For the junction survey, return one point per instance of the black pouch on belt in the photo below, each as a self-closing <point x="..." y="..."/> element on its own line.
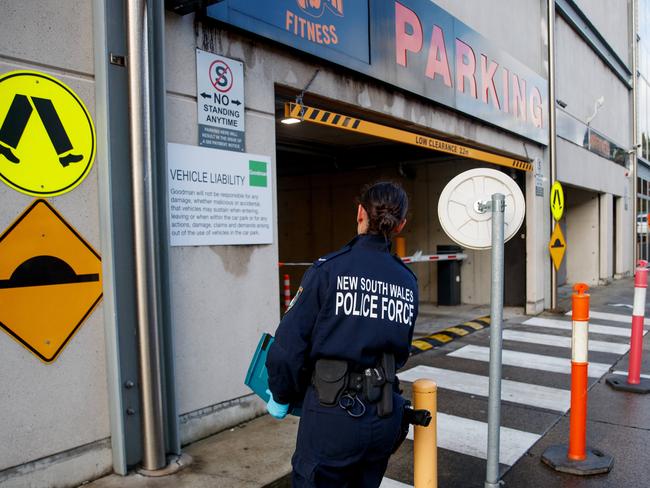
<point x="385" y="405"/>
<point x="330" y="379"/>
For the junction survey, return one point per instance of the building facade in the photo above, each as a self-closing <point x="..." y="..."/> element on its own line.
<point x="413" y="91"/>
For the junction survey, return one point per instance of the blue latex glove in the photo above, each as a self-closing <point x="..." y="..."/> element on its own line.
<point x="277" y="410"/>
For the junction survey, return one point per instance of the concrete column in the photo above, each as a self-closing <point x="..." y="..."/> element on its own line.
<point x="538" y="263"/>
<point x="624" y="238"/>
<point x="606" y="237"/>
<point x="582" y="236"/>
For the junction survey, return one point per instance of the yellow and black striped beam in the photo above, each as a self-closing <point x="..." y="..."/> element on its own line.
<point x="332" y="119"/>
<point x="434" y="341"/>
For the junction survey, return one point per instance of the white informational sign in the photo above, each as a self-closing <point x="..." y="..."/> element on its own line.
<point x="218" y="197"/>
<point x="220" y="101"/>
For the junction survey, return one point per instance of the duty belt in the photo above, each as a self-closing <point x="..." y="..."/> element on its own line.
<point x="337" y="385"/>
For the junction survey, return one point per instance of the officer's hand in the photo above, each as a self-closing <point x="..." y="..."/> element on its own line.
<point x="277" y="410"/>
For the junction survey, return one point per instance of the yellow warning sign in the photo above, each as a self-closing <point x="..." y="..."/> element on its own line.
<point x="557" y="246"/>
<point x="47" y="137"/>
<point x="557" y="200"/>
<point x="332" y="119"/>
<point x="50" y="281"/>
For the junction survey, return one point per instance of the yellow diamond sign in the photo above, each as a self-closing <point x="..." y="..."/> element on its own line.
<point x="557" y="246"/>
<point x="50" y="281"/>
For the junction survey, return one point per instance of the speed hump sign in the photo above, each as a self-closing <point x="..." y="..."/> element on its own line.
<point x="47" y="137"/>
<point x="50" y="281"/>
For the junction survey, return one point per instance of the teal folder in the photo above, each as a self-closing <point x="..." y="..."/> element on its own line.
<point x="257" y="377"/>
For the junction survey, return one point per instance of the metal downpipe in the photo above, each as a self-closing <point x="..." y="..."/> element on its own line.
<point x="552" y="137"/>
<point x="140" y="130"/>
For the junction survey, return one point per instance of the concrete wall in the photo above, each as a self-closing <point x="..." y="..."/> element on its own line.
<point x="54" y="428"/>
<point x="611" y="20"/>
<point x="582" y="78"/>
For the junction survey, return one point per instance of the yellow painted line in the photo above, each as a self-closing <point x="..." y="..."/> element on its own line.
<point x="423" y="346"/>
<point x="474" y="325"/>
<point x="484" y="319"/>
<point x="441" y="337"/>
<point x="333" y="119"/>
<point x="456" y="330"/>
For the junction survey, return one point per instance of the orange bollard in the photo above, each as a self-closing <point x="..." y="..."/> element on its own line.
<point x="425" y="442"/>
<point x="400" y="246"/>
<point x="579" y="370"/>
<point x="577" y="458"/>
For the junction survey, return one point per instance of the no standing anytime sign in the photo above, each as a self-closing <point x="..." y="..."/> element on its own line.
<point x="220" y="101"/>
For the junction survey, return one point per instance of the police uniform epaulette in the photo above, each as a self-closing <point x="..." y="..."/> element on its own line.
<point x="399" y="260"/>
<point x="330" y="256"/>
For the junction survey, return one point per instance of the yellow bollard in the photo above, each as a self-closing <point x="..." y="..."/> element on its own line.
<point x="425" y="442"/>
<point x="400" y="246"/>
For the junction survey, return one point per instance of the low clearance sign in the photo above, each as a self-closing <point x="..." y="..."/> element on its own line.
<point x="411" y="44"/>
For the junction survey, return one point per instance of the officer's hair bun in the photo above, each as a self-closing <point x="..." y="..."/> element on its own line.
<point x="386" y="204"/>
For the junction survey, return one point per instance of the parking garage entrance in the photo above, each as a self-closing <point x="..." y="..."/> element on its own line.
<point x="325" y="155"/>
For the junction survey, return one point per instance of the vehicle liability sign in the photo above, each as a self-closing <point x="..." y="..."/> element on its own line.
<point x="220" y="101"/>
<point x="50" y="281"/>
<point x="47" y="137"/>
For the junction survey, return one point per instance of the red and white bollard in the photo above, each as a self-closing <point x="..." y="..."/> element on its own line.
<point x="579" y="373"/>
<point x="634" y="383"/>
<point x="577" y="458"/>
<point x="287" y="291"/>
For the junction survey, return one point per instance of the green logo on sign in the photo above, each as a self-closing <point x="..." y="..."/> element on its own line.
<point x="257" y="173"/>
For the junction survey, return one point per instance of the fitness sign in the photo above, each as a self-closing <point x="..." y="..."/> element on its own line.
<point x="220" y="101"/>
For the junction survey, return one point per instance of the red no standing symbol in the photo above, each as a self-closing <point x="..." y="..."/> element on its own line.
<point x="221" y="76"/>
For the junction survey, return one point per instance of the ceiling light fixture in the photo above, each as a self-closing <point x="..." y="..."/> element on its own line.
<point x="290" y="120"/>
<point x="295" y="120"/>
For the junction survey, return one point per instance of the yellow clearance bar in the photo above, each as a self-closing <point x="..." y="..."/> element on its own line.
<point x="332" y="119"/>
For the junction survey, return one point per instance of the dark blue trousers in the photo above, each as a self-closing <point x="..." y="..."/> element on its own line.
<point x="336" y="450"/>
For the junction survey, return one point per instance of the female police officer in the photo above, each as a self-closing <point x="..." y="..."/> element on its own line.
<point x="336" y="350"/>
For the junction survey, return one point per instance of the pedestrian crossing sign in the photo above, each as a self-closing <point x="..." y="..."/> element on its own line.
<point x="557" y="246"/>
<point x="47" y="137"/>
<point x="557" y="200"/>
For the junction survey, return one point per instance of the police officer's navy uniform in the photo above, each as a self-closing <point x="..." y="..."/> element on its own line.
<point x="353" y="304"/>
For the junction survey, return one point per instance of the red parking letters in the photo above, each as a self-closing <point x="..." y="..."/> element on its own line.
<point x="465" y="70"/>
<point x="404" y="41"/>
<point x="536" y="109"/>
<point x="437" y="62"/>
<point x="519" y="97"/>
<point x="487" y="82"/>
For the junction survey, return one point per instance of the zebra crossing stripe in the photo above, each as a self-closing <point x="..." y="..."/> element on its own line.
<point x="566" y="325"/>
<point x="388" y="483"/>
<point x="511" y="391"/>
<point x="469" y="437"/>
<point x="560" y="341"/>
<point x="613" y="317"/>
<point x="519" y="359"/>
